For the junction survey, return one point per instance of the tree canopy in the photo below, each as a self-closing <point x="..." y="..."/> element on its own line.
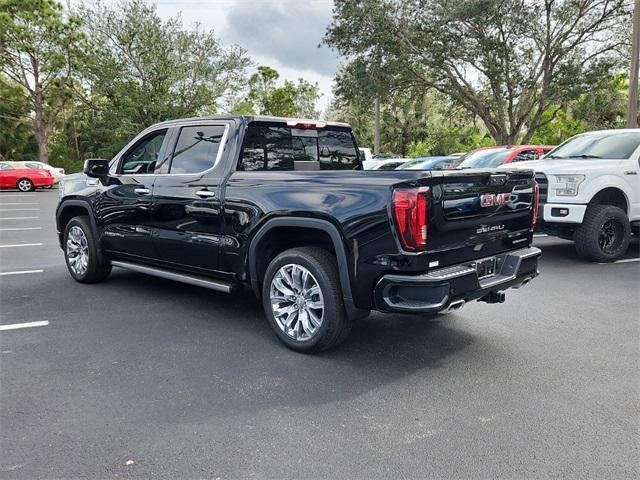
<point x="505" y="62"/>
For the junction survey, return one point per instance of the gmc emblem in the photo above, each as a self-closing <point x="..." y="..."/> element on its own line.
<point x="494" y="199"/>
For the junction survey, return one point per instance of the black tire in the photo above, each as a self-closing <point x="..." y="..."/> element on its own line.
<point x="95" y="270"/>
<point x="335" y="326"/>
<point x="604" y="234"/>
<point x="25" y="185"/>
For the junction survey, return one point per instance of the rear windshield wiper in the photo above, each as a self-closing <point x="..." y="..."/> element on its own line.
<point x="555" y="156"/>
<point x="586" y="156"/>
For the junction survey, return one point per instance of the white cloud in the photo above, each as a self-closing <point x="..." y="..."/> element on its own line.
<point x="283" y="34"/>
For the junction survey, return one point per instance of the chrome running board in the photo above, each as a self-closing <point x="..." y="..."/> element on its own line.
<point x="196" y="280"/>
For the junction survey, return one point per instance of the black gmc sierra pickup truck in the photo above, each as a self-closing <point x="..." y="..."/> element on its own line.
<point x="283" y="206"/>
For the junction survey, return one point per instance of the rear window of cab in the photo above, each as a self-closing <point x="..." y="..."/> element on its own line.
<point x="279" y="147"/>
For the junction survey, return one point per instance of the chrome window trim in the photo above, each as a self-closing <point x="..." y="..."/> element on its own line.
<point x="144" y="133"/>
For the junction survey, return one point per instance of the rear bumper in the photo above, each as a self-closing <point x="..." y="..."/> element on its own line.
<point x="42" y="181"/>
<point x="450" y="287"/>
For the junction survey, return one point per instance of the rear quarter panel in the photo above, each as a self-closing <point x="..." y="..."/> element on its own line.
<point x="355" y="202"/>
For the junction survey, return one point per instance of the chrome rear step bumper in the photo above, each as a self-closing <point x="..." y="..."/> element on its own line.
<point x="449" y="288"/>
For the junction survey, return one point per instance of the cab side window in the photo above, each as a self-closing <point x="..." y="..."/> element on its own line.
<point x="143" y="156"/>
<point x="526" y="156"/>
<point x="197" y="148"/>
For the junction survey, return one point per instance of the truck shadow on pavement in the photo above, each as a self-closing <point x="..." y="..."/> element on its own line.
<point x="223" y="357"/>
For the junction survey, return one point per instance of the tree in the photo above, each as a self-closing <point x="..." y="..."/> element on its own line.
<point x="267" y="98"/>
<point x="506" y="62"/>
<point x="37" y="44"/>
<point x="17" y="142"/>
<point x="143" y="70"/>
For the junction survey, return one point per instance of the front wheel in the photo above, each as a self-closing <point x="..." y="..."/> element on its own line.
<point x="604" y="234"/>
<point x="81" y="252"/>
<point x="302" y="299"/>
<point x="25" y="185"/>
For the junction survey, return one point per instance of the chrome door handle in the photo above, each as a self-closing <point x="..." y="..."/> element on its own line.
<point x="142" y="191"/>
<point x="206" y="194"/>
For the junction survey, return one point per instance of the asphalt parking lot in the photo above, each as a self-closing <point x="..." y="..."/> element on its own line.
<point x="142" y="377"/>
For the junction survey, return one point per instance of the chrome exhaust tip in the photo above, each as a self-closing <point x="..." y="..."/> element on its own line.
<point x="453" y="306"/>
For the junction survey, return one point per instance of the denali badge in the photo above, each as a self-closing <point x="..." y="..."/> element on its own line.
<point x="494" y="199"/>
<point x="488" y="229"/>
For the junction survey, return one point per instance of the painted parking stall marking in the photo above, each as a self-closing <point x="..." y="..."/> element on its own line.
<point x="16" y="326"/>
<point x="19" y="218"/>
<point x="21" y="272"/>
<point x="15" y="229"/>
<point x="19" y="209"/>
<point x="628" y="260"/>
<point x="15" y="245"/>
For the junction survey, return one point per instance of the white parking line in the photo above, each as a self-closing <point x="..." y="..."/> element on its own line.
<point x="18" y="218"/>
<point x="540" y="235"/>
<point x="21" y="245"/>
<point x="18" y="203"/>
<point x="15" y="326"/>
<point x="19" y="209"/>
<point x="21" y="195"/>
<point x="21" y="272"/>
<point x="19" y="228"/>
<point x="628" y="260"/>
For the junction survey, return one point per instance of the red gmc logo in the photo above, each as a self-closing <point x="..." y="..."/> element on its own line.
<point x="494" y="199"/>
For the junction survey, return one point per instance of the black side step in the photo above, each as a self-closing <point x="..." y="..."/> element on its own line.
<point x="219" y="285"/>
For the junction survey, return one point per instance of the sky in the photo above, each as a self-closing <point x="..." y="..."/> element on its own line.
<point x="283" y="34"/>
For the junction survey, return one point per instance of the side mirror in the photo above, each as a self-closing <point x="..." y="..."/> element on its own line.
<point x="96" y="167"/>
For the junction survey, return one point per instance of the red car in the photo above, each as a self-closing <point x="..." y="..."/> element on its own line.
<point x="24" y="179"/>
<point x="490" y="157"/>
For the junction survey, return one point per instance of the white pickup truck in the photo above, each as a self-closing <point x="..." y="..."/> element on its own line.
<point x="590" y="191"/>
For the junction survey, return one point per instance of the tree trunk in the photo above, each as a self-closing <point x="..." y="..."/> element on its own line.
<point x="505" y="138"/>
<point x="43" y="152"/>
<point x="39" y="125"/>
<point x="632" y="113"/>
<point x="376" y="133"/>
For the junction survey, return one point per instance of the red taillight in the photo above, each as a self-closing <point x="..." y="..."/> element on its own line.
<point x="411" y="213"/>
<point x="536" y="203"/>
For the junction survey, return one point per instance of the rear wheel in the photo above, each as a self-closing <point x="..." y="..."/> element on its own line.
<point x="81" y="252"/>
<point x="604" y="234"/>
<point x="303" y="301"/>
<point x="25" y="185"/>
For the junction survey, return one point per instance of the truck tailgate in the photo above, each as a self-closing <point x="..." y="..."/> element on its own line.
<point x="477" y="213"/>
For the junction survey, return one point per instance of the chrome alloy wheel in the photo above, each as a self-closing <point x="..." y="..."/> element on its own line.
<point x="296" y="301"/>
<point x="24" y="185"/>
<point x="77" y="250"/>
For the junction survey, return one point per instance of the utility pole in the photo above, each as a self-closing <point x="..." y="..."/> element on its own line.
<point x="632" y="116"/>
<point x="376" y="135"/>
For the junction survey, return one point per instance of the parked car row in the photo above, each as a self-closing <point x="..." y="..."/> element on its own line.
<point x="485" y="157"/>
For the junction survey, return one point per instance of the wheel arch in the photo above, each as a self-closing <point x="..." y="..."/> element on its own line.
<point x="613" y="196"/>
<point x="326" y="235"/>
<point x="69" y="209"/>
